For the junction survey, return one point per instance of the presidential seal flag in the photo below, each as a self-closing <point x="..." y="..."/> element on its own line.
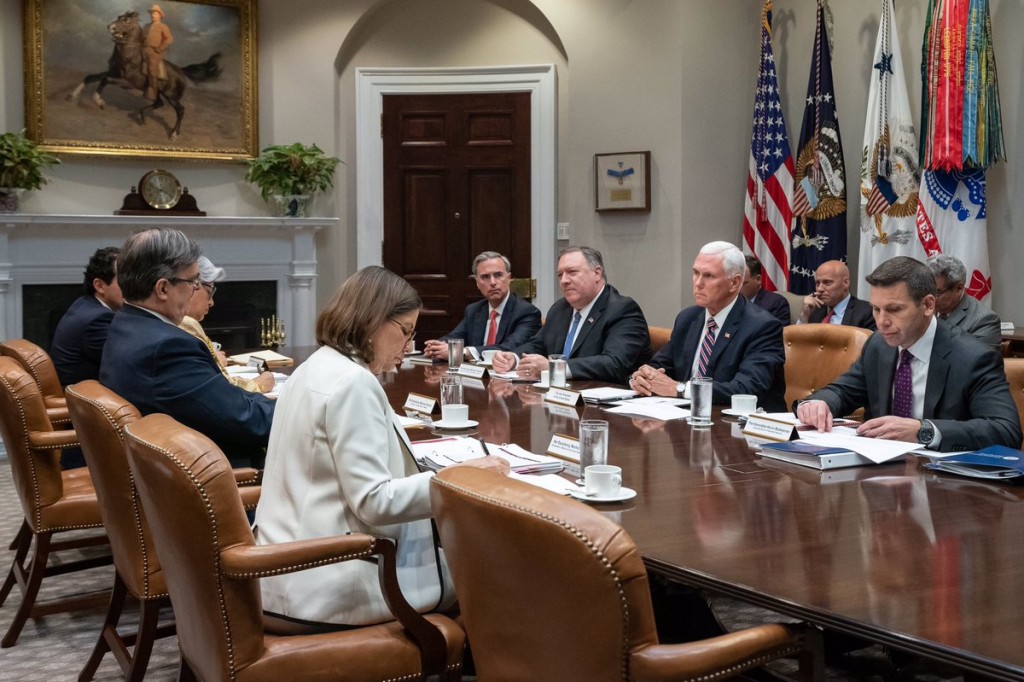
<point x="767" y="213"/>
<point x="819" y="230"/>
<point x="889" y="172"/>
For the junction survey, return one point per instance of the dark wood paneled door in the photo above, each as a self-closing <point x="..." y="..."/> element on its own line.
<point x="456" y="182"/>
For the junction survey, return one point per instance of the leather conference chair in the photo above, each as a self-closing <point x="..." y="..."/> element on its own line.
<point x="659" y="337"/>
<point x="53" y="501"/>
<point x="1014" y="368"/>
<point x="817" y="354"/>
<point x="99" y="416"/>
<point x="212" y="566"/>
<point x="39" y="364"/>
<point x="551" y="589"/>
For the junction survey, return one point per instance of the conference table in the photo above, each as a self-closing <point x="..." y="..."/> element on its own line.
<point x="926" y="563"/>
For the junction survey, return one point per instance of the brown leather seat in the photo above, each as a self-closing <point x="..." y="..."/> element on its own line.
<point x="53" y="501"/>
<point x="816" y="354"/>
<point x="551" y="589"/>
<point x="99" y="416"/>
<point x="659" y="337"/>
<point x="212" y="566"/>
<point x="1014" y="368"/>
<point x="39" y="364"/>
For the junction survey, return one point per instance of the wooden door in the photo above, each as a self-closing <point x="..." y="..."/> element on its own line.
<point x="456" y="182"/>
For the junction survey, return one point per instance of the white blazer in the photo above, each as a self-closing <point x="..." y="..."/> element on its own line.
<point x="335" y="465"/>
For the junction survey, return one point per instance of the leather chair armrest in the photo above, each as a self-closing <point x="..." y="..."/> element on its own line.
<point x="58" y="415"/>
<point x="250" y="495"/>
<point x="247" y="476"/>
<point x="52" y="440"/>
<point x="258" y="561"/>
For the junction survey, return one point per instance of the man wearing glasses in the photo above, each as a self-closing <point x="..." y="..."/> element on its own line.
<point x="158" y="367"/>
<point x="501" y="321"/>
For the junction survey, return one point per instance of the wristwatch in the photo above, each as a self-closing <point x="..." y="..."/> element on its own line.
<point x="926" y="434"/>
<point x="680" y="389"/>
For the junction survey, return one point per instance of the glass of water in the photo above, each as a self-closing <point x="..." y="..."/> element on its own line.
<point x="556" y="369"/>
<point x="700" y="401"/>
<point x="593" y="443"/>
<point x="456" y="347"/>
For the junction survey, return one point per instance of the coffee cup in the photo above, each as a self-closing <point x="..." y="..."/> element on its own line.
<point x="455" y="415"/>
<point x="744" y="403"/>
<point x="602" y="480"/>
<point x="545" y="377"/>
<point x="488" y="355"/>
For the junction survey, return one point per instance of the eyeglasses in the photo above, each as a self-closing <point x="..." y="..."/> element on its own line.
<point x="195" y="281"/>
<point x="210" y="287"/>
<point x="488" y="276"/>
<point x="409" y="335"/>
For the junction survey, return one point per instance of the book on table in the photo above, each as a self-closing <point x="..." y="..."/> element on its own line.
<point x="438" y="453"/>
<point x="272" y="358"/>
<point x="815" y="456"/>
<point x="996" y="462"/>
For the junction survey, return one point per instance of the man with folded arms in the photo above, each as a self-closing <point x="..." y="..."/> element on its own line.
<point x="501" y="321"/>
<point x="959" y="309"/>
<point x="832" y="302"/>
<point x="724" y="337"/>
<point x="601" y="332"/>
<point x="918" y="378"/>
<point x="159" y="367"/>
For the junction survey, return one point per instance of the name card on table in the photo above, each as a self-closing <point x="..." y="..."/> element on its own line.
<point x="562" y="396"/>
<point x="423" y="404"/>
<point x="472" y="371"/>
<point x="565" y="447"/>
<point x="763" y="426"/>
<point x="562" y="411"/>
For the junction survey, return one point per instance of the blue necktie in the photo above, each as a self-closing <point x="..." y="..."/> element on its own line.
<point x="567" y="348"/>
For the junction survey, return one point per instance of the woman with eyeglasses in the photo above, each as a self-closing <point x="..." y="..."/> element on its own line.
<point x="337" y="464"/>
<point x="198" y="306"/>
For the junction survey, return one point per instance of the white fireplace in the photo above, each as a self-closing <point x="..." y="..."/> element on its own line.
<point x="54" y="249"/>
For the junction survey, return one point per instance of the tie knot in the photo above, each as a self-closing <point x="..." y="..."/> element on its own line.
<point x="905" y="357"/>
<point x="576" y="317"/>
<point x="494" y="314"/>
<point x="712" y="325"/>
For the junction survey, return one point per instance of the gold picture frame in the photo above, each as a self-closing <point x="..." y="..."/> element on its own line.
<point x="622" y="181"/>
<point x="86" y="73"/>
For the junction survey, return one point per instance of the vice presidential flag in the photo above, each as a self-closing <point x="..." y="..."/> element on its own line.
<point x="767" y="215"/>
<point x="889" y="172"/>
<point x="819" y="229"/>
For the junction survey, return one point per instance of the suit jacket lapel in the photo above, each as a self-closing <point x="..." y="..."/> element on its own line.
<point x="886" y="368"/>
<point x="938" y="368"/>
<point x="725" y="334"/>
<point x="503" y="319"/>
<point x="691" y="340"/>
<point x="848" y="313"/>
<point x="590" y="321"/>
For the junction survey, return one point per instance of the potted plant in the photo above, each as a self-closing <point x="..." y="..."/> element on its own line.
<point x="288" y="175"/>
<point x="21" y="165"/>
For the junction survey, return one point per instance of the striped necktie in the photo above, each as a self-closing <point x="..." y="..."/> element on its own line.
<point x="567" y="348"/>
<point x="706" y="346"/>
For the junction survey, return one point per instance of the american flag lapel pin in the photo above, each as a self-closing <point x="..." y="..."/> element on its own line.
<point x="590" y="320"/>
<point x="728" y="335"/>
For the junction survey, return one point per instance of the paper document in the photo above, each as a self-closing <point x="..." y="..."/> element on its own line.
<point x="272" y="359"/>
<point x="878" y="450"/>
<point x="436" y="454"/>
<point x="552" y="482"/>
<point x="606" y="394"/>
<point x="654" y="400"/>
<point x="659" y="411"/>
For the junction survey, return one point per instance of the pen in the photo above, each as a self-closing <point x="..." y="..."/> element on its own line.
<point x="487" y="453"/>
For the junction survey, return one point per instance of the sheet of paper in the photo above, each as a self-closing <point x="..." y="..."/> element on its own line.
<point x="606" y="393"/>
<point x="878" y="450"/>
<point x="552" y="482"/>
<point x="650" y="411"/>
<point x="654" y="400"/>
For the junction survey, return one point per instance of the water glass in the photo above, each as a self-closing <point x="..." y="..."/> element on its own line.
<point x="456" y="348"/>
<point x="451" y="390"/>
<point x="593" y="444"/>
<point x="700" y="402"/>
<point x="556" y="368"/>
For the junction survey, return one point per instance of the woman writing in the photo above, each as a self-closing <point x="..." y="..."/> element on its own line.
<point x="336" y="464"/>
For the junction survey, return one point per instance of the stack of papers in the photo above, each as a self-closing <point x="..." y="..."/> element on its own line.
<point x="606" y="394"/>
<point x="436" y="454"/>
<point x="995" y="462"/>
<point x="270" y="357"/>
<point x="652" y="407"/>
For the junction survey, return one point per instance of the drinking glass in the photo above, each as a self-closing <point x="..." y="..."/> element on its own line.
<point x="700" y="402"/>
<point x="556" y="367"/>
<point x="456" y="347"/>
<point x="593" y="443"/>
<point x="451" y="390"/>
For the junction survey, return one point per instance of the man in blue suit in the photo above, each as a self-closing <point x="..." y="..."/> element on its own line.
<point x="501" y="321"/>
<point x="158" y="367"/>
<point x="78" y="341"/>
<point x="752" y="290"/>
<point x="742" y="343"/>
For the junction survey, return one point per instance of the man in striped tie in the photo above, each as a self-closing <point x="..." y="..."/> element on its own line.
<point x="724" y="337"/>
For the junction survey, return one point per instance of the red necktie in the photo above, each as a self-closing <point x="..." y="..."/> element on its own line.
<point x="828" y="315"/>
<point x="492" y="333"/>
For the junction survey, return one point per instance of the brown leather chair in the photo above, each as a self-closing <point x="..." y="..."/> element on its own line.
<point x="39" y="364"/>
<point x="1014" y="368"/>
<point x="816" y="354"/>
<point x="659" y="337"/>
<point x="551" y="589"/>
<point x="99" y="416"/>
<point x="212" y="566"/>
<point x="53" y="501"/>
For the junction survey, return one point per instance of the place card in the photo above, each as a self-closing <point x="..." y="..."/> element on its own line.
<point x="562" y="396"/>
<point x="423" y="404"/>
<point x="562" y="411"/>
<point x="763" y="426"/>
<point x="472" y="371"/>
<point x="565" y="447"/>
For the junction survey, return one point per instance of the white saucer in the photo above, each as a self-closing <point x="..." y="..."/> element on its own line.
<point x="624" y="494"/>
<point x="468" y="424"/>
<point x="540" y="384"/>
<point x="735" y="413"/>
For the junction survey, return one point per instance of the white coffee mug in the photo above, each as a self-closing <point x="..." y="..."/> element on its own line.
<point x="545" y="377"/>
<point x="454" y="415"/>
<point x="602" y="480"/>
<point x="488" y="355"/>
<point x="744" y="404"/>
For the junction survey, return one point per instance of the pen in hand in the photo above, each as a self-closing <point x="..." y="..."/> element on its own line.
<point x="487" y="453"/>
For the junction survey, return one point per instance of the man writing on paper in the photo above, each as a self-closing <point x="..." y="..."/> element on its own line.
<point x="918" y="378"/>
<point x="832" y="302"/>
<point x="601" y="332"/>
<point x="724" y="337"/>
<point x="501" y="321"/>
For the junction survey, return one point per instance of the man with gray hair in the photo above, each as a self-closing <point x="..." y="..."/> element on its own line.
<point x="501" y="321"/>
<point x="724" y="337"/>
<point x="159" y="367"/>
<point x="958" y="309"/>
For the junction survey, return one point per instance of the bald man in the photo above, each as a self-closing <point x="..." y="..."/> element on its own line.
<point x="832" y="302"/>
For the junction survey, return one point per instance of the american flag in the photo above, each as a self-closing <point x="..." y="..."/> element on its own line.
<point x="767" y="213"/>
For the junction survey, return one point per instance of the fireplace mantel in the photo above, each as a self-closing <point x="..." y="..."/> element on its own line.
<point x="54" y="249"/>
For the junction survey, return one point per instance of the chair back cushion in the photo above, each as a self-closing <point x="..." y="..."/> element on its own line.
<point x="659" y="337"/>
<point x="99" y="416"/>
<point x="548" y="587"/>
<point x="193" y="509"/>
<point x="816" y="354"/>
<point x="39" y="364"/>
<point x="1014" y="368"/>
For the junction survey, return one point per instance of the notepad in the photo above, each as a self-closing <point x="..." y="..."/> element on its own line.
<point x="270" y="357"/>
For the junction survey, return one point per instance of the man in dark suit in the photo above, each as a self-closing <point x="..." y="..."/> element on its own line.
<point x="501" y="321"/>
<point x="745" y="353"/>
<point x="919" y="379"/>
<point x="158" y="367"/>
<point x="751" y="290"/>
<point x="78" y="341"/>
<point x="601" y="332"/>
<point x="953" y="304"/>
<point x="832" y="302"/>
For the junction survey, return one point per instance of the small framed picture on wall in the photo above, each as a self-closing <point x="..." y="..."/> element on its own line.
<point x="622" y="181"/>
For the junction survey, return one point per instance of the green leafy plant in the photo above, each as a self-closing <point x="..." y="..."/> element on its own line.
<point x="22" y="162"/>
<point x="292" y="169"/>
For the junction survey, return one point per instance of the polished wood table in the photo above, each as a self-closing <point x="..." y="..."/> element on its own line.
<point x="926" y="563"/>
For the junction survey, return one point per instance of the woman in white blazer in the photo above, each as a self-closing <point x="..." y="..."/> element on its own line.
<point x="335" y="464"/>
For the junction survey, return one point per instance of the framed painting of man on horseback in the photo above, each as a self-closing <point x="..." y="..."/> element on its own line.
<point x="172" y="78"/>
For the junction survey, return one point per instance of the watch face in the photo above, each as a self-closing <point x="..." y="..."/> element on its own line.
<point x="160" y="189"/>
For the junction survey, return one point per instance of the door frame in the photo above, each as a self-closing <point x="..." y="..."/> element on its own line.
<point x="539" y="80"/>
